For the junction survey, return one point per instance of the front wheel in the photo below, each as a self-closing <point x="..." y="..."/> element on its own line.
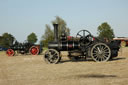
<point x="52" y="56"/>
<point x="100" y="52"/>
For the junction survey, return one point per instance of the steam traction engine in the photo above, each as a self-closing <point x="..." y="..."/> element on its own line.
<point x="80" y="47"/>
<point x="23" y="48"/>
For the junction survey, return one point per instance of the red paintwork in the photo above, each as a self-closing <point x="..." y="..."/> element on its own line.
<point x="10" y="52"/>
<point x="34" y="50"/>
<point x="127" y="42"/>
<point x="93" y="38"/>
<point x="69" y="37"/>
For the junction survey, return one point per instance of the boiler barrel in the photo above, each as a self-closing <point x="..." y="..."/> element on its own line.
<point x="64" y="46"/>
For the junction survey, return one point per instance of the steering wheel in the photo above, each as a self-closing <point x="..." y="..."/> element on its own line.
<point x="85" y="38"/>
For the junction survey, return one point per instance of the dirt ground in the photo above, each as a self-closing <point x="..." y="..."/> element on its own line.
<point x="32" y="70"/>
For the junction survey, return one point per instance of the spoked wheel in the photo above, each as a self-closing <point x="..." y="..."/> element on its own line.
<point x="52" y="56"/>
<point x="34" y="50"/>
<point x="100" y="52"/>
<point x="10" y="52"/>
<point x="85" y="39"/>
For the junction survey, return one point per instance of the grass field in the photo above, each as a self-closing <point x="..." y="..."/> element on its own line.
<point x="32" y="70"/>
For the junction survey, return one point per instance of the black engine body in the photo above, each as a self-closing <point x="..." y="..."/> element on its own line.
<point x="81" y="46"/>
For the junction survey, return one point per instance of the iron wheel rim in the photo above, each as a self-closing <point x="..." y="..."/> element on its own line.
<point x="100" y="52"/>
<point x="51" y="56"/>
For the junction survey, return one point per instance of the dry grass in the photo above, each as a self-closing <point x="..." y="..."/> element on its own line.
<point x="32" y="70"/>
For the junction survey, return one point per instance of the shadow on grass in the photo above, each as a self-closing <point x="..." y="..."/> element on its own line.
<point x="91" y="60"/>
<point x="116" y="59"/>
<point x="96" y="76"/>
<point x="64" y="61"/>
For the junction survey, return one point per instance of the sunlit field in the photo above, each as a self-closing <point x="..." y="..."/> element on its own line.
<point x="32" y="70"/>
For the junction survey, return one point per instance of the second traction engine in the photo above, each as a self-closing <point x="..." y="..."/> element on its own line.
<point x="79" y="47"/>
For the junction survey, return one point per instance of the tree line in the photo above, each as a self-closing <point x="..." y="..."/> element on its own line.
<point x="7" y="39"/>
<point x="104" y="31"/>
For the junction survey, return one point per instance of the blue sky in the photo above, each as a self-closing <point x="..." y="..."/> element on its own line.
<point x="22" y="17"/>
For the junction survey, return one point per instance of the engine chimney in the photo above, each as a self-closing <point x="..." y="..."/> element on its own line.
<point x="55" y="32"/>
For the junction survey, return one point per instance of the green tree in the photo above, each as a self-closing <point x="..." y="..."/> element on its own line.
<point x="6" y="40"/>
<point x="32" y="38"/>
<point x="62" y="25"/>
<point x="105" y="31"/>
<point x="49" y="33"/>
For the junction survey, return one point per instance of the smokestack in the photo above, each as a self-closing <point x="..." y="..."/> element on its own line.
<point x="55" y="32"/>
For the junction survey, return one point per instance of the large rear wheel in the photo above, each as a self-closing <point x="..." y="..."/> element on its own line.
<point x="100" y="52"/>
